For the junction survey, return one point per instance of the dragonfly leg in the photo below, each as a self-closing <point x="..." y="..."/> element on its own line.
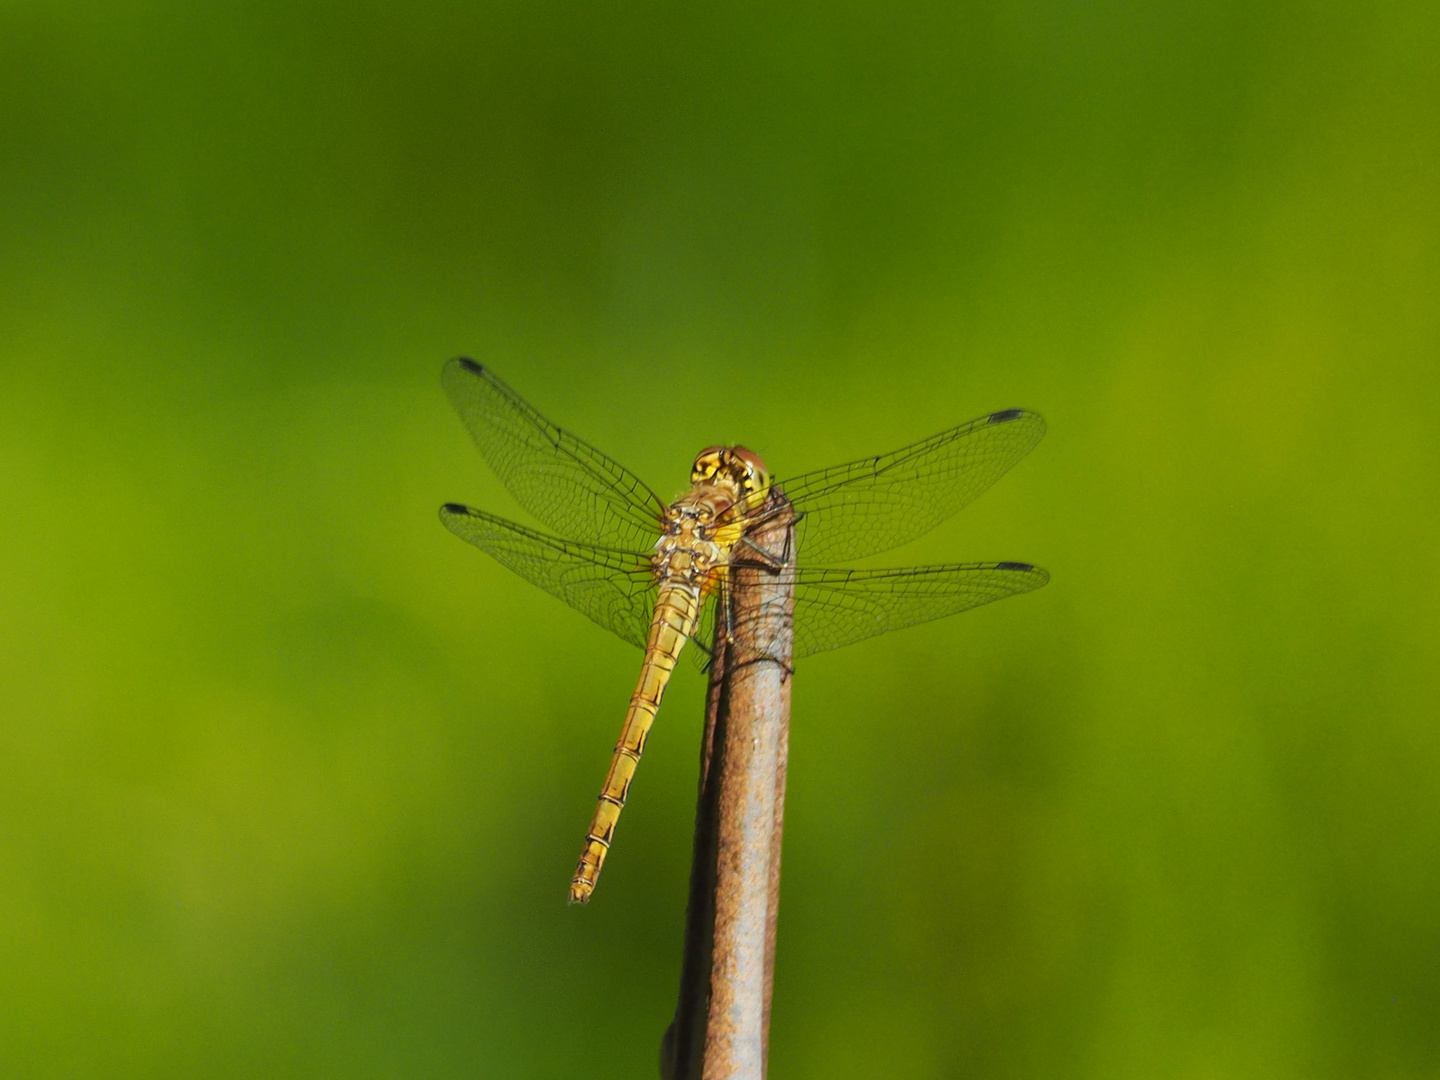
<point x="760" y="557"/>
<point x="769" y="512"/>
<point x="729" y="618"/>
<point x="757" y="557"/>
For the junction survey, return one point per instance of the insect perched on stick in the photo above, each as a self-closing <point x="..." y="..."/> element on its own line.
<point x="657" y="574"/>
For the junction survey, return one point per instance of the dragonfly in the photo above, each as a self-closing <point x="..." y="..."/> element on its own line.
<point x="657" y="574"/>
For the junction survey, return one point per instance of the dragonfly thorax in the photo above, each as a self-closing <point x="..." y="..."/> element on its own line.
<point x="703" y="524"/>
<point x="687" y="552"/>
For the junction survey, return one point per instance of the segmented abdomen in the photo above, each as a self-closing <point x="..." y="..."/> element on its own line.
<point x="677" y="609"/>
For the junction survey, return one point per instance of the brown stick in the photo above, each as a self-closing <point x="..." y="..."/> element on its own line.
<point x="722" y="1020"/>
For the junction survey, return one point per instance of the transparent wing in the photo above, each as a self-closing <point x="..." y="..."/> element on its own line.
<point x="565" y="482"/>
<point x="704" y="637"/>
<point x="854" y="510"/>
<point x="615" y="588"/>
<point x="840" y="607"/>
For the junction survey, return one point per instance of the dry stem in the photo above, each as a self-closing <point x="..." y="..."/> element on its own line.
<point x="722" y="1021"/>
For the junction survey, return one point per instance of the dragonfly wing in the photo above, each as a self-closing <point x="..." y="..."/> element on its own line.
<point x="565" y="482"/>
<point x="705" y="629"/>
<point x="614" y="588"/>
<point x="840" y="607"/>
<point x="854" y="510"/>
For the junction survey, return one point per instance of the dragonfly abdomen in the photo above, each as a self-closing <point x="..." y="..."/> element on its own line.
<point x="677" y="610"/>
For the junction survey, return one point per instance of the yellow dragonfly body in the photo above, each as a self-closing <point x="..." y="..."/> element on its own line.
<point x="690" y="563"/>
<point x="655" y="574"/>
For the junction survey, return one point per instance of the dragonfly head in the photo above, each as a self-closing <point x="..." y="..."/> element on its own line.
<point x="736" y="467"/>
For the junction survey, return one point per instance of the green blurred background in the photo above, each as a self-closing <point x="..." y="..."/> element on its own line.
<point x="292" y="781"/>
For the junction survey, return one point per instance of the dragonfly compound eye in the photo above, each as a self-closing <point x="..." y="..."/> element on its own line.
<point x="754" y="478"/>
<point x="707" y="464"/>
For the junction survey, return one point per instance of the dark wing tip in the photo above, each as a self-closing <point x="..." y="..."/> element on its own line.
<point x="1004" y="416"/>
<point x="454" y="508"/>
<point x="1035" y="577"/>
<point x="469" y="365"/>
